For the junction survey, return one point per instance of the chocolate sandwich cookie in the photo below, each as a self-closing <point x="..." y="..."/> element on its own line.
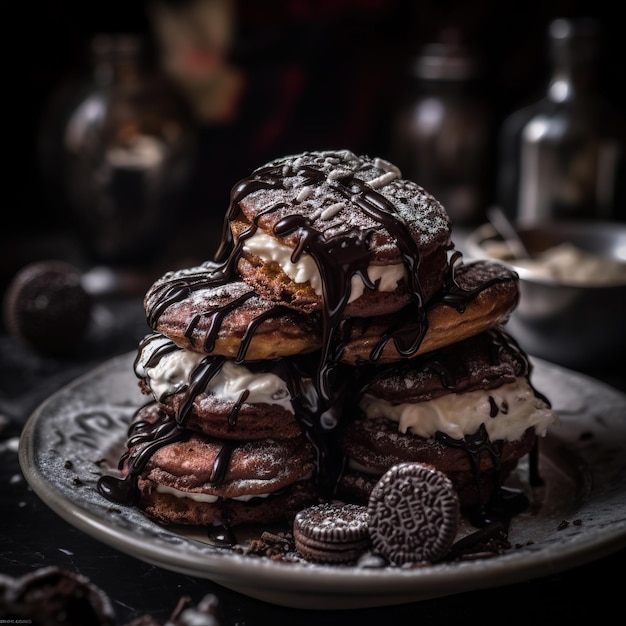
<point x="206" y="310"/>
<point x="218" y="397"/>
<point x="180" y="477"/>
<point x="413" y="514"/>
<point x="333" y="231"/>
<point x="480" y="296"/>
<point x="331" y="532"/>
<point x="468" y="409"/>
<point x="46" y="307"/>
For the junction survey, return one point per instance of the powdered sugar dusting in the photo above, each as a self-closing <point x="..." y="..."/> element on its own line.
<point x="327" y="208"/>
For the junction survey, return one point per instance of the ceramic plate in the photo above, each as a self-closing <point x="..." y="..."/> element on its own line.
<point x="578" y="515"/>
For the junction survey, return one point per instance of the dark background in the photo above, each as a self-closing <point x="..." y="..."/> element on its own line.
<point x="332" y="71"/>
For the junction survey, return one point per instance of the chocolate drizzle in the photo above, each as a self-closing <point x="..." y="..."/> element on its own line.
<point x="474" y="445"/>
<point x="449" y="367"/>
<point x="144" y="439"/>
<point x="338" y="258"/>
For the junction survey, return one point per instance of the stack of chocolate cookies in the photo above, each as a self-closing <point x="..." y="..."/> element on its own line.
<point x="336" y="333"/>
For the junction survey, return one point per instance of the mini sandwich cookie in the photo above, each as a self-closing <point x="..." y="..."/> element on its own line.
<point x="331" y="533"/>
<point x="413" y="514"/>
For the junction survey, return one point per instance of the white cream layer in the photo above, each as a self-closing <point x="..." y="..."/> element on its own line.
<point x="460" y="414"/>
<point x="174" y="370"/>
<point x="305" y="269"/>
<point x="205" y="497"/>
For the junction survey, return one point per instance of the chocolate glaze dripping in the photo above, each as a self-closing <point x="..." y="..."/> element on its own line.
<point x="217" y="318"/>
<point x="350" y="252"/>
<point x="320" y="418"/>
<point x="408" y="327"/>
<point x="534" y="477"/>
<point x="232" y="418"/>
<point x="505" y="502"/>
<point x="458" y="297"/>
<point x="158" y="354"/>
<point x="220" y="467"/>
<point x="145" y="439"/>
<point x="201" y="376"/>
<point x="178" y="289"/>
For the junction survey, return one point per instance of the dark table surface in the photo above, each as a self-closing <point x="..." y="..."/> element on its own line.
<point x="33" y="536"/>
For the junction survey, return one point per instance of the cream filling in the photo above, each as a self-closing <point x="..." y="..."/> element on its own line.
<point x="304" y="270"/>
<point x="174" y="370"/>
<point x="460" y="414"/>
<point x="205" y="497"/>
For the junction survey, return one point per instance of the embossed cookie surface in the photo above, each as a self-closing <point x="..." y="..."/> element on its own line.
<point x="413" y="514"/>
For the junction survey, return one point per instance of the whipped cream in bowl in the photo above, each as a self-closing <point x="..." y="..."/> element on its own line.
<point x="572" y="288"/>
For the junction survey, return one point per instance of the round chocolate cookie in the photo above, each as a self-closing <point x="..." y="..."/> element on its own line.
<point x="331" y="532"/>
<point x="476" y="475"/>
<point x="482" y="296"/>
<point x="180" y="477"/>
<point x="199" y="308"/>
<point x="338" y="232"/>
<point x="413" y="514"/>
<point x="273" y="508"/>
<point x="468" y="409"/>
<point x="46" y="307"/>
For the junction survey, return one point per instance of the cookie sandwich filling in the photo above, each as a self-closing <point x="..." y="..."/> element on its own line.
<point x="305" y="270"/>
<point x="209" y="498"/>
<point x="506" y="413"/>
<point x="171" y="371"/>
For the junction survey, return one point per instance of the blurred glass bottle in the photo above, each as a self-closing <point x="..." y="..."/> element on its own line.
<point x="122" y="148"/>
<point x="442" y="131"/>
<point x="562" y="157"/>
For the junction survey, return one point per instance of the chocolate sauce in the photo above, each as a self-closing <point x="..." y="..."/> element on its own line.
<point x="338" y="258"/>
<point x="144" y="439"/>
<point x="220" y="467"/>
<point x="200" y="378"/>
<point x="221" y="536"/>
<point x="491" y="539"/>
<point x="504" y="503"/>
<point x="232" y="418"/>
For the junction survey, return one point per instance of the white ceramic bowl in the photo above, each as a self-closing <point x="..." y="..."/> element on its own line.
<point x="581" y="325"/>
